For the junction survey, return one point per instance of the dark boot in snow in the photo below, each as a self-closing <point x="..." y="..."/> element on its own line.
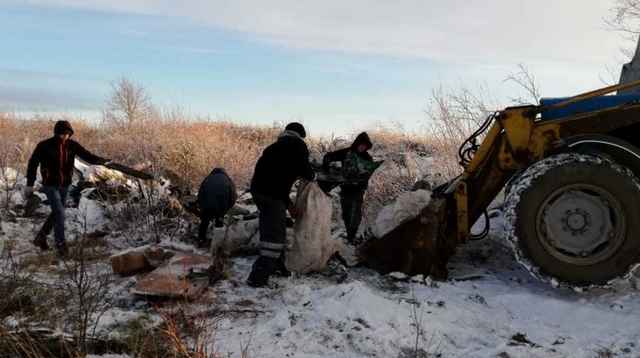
<point x="62" y="250"/>
<point x="41" y="241"/>
<point x="281" y="269"/>
<point x="261" y="270"/>
<point x="257" y="282"/>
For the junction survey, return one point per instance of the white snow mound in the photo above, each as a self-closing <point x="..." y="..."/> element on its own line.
<point x="406" y="207"/>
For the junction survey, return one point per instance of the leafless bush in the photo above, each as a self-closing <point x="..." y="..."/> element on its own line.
<point x="191" y="328"/>
<point x="85" y="285"/>
<point x="21" y="344"/>
<point x="16" y="283"/>
<point x="417" y="315"/>
<point x="128" y="103"/>
<point x="184" y="151"/>
<point x="624" y="17"/>
<point x="525" y="79"/>
<point x="14" y="154"/>
<point x="453" y="115"/>
<point x="146" y="213"/>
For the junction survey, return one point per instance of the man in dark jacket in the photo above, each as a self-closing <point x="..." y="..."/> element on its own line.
<point x="276" y="171"/>
<point x="352" y="194"/>
<point x="216" y="196"/>
<point x="56" y="157"/>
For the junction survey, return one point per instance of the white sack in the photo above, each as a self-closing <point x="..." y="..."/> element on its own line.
<point x="236" y="236"/>
<point x="312" y="244"/>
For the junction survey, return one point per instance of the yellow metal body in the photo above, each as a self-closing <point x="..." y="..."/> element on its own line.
<point x="517" y="140"/>
<point x="462" y="212"/>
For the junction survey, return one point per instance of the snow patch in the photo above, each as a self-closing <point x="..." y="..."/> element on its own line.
<point x="406" y="207"/>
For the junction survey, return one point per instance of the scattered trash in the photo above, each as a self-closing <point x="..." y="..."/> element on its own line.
<point x="136" y="260"/>
<point x="172" y="278"/>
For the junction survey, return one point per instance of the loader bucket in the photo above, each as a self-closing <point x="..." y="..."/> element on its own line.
<point x="413" y="247"/>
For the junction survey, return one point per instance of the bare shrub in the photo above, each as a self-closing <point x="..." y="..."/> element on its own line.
<point x="624" y="17"/>
<point x="84" y="283"/>
<point x="127" y="104"/>
<point x="21" y="344"/>
<point x="14" y="155"/>
<point x="16" y="283"/>
<point x="147" y="213"/>
<point x="191" y="328"/>
<point x="526" y="80"/>
<point x="454" y="114"/>
<point x="184" y="151"/>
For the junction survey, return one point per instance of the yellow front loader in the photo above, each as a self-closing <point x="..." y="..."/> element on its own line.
<point x="572" y="199"/>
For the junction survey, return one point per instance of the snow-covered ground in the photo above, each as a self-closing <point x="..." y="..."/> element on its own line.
<point x="489" y="307"/>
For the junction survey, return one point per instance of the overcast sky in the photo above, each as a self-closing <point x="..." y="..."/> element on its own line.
<point x="336" y="65"/>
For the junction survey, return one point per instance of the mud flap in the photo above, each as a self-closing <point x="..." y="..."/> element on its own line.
<point x="413" y="247"/>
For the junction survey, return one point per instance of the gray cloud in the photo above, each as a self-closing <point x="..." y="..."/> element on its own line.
<point x="24" y="98"/>
<point x="498" y="30"/>
<point x="8" y="73"/>
<point x="185" y="49"/>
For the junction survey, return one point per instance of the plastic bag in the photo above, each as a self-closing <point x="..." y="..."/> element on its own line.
<point x="312" y="244"/>
<point x="354" y="170"/>
<point x="357" y="169"/>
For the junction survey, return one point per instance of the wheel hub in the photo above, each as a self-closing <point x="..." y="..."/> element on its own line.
<point x="581" y="224"/>
<point x="576" y="221"/>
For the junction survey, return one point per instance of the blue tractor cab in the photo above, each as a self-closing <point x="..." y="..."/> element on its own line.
<point x="590" y="105"/>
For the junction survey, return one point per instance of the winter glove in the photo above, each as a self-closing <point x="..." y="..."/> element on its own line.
<point x="28" y="192"/>
<point x="293" y="211"/>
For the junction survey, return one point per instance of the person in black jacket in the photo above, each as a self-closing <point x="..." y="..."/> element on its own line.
<point x="352" y="194"/>
<point x="56" y="157"/>
<point x="276" y="171"/>
<point x="216" y="196"/>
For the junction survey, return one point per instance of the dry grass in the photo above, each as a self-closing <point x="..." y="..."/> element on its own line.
<point x="184" y="150"/>
<point x="178" y="149"/>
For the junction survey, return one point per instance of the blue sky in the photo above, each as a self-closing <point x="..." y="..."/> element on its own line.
<point x="335" y="65"/>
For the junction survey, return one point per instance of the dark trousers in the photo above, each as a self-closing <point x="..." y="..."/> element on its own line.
<point x="273" y="234"/>
<point x="56" y="197"/>
<point x="206" y="216"/>
<point x="351" y="200"/>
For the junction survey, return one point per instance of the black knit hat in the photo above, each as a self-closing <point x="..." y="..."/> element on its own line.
<point x="296" y="127"/>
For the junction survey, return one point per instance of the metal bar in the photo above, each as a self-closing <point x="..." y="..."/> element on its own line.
<point x="589" y="95"/>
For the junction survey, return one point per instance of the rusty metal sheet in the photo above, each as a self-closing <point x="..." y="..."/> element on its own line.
<point x="170" y="280"/>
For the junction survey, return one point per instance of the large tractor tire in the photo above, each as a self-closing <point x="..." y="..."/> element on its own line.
<point x="574" y="219"/>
